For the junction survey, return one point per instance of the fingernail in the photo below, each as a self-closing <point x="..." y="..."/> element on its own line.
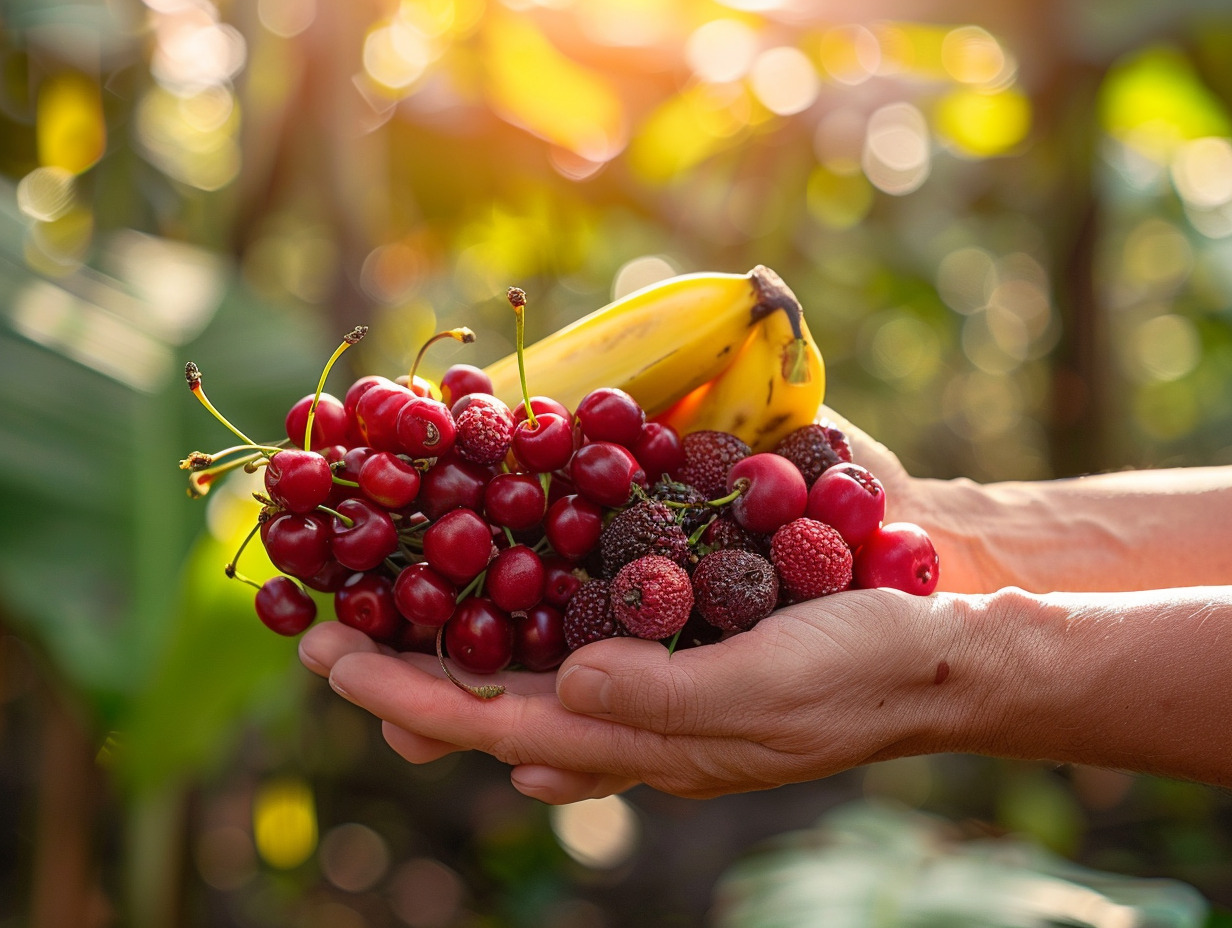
<point x="585" y="689"/>
<point x="337" y="688"/>
<point x="535" y="782"/>
<point x="309" y="660"/>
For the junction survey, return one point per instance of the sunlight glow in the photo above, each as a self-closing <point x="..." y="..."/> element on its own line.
<point x="721" y="50"/>
<point x="784" y="80"/>
<point x="597" y="833"/>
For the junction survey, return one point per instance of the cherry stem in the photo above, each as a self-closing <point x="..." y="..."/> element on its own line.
<point x="346" y="520"/>
<point x="193" y="375"/>
<point x="508" y="535"/>
<point x="487" y="691"/>
<point x="701" y="530"/>
<point x="229" y="570"/>
<point x="199" y="481"/>
<point x="471" y="587"/>
<point x="671" y="645"/>
<point x="740" y="487"/>
<point x="461" y="334"/>
<point x="343" y="482"/>
<point x="351" y="338"/>
<point x="517" y="299"/>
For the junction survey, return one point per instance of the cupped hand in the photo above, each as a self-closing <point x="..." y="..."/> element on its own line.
<point x="813" y="689"/>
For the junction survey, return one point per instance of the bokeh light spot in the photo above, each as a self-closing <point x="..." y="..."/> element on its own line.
<point x="850" y="54"/>
<point x="971" y="55"/>
<point x="983" y="124"/>
<point x="966" y="278"/>
<point x="1157" y="255"/>
<point x="721" y="50"/>
<point x="226" y="858"/>
<point x="597" y="833"/>
<point x="46" y="193"/>
<point x="1165" y="347"/>
<point x="1202" y="172"/>
<point x="286" y="18"/>
<point x="897" y="157"/>
<point x="284" y="822"/>
<point x="424" y="893"/>
<point x="784" y="80"/>
<point x="641" y="272"/>
<point x="353" y="857"/>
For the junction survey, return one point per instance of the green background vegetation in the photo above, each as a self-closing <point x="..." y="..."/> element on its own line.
<point x="1011" y="228"/>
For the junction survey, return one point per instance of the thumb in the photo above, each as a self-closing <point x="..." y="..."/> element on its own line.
<point x="643" y="685"/>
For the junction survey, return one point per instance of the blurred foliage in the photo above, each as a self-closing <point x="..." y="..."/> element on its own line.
<point x="1010" y="224"/>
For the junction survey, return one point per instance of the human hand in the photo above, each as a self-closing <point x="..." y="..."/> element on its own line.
<point x="814" y="689"/>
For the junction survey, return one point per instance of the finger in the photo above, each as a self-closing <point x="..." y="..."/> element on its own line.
<point x="514" y="728"/>
<point x="322" y="645"/>
<point x="514" y="681"/>
<point x="558" y="787"/>
<point x="416" y="749"/>
<point x="703" y="691"/>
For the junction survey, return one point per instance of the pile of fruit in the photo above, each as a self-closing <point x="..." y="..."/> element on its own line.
<point x="443" y="519"/>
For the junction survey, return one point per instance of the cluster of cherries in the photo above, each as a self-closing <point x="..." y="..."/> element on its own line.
<point x="442" y="520"/>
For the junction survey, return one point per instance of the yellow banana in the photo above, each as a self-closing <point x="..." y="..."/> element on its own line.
<point x="773" y="386"/>
<point x="671" y="344"/>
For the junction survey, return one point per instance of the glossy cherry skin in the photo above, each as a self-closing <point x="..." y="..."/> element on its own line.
<point x="330" y="423"/>
<point x="545" y="446"/>
<point x="284" y="607"/>
<point x="389" y="480"/>
<point x="850" y="499"/>
<point x="297" y="543"/>
<point x="328" y="579"/>
<point x="610" y="414"/>
<point x="604" y="472"/>
<point x="899" y="555"/>
<point x="297" y="480"/>
<point x="350" y="402"/>
<point x="573" y="526"/>
<point x="542" y="404"/>
<point x="420" y="386"/>
<point x="424" y="596"/>
<point x="539" y="638"/>
<point x="658" y="450"/>
<point x="453" y="483"/>
<point x="559" y="581"/>
<point x="479" y="637"/>
<point x="461" y="379"/>
<point x="776" y="492"/>
<point x="366" y="602"/>
<point x="515" y="579"/>
<point x="516" y="501"/>
<point x="370" y="538"/>
<point x="458" y="545"/>
<point x="376" y="414"/>
<point x="426" y="428"/>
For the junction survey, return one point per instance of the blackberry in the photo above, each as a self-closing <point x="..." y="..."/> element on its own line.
<point x="589" y="616"/>
<point x="707" y="456"/>
<point x="693" y="512"/>
<point x="734" y="590"/>
<point x="814" y="448"/>
<point x="646" y="527"/>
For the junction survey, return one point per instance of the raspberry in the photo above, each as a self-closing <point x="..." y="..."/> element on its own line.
<point x="707" y="456"/>
<point x="588" y="617"/>
<point x="814" y="448"/>
<point x="734" y="590"/>
<point x="811" y="559"/>
<point x="652" y="597"/>
<point x="484" y="429"/>
<point x="647" y="527"/>
<point x="725" y="532"/>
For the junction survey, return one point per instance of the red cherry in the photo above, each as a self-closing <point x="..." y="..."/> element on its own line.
<point x="540" y="405"/>
<point x="539" y="638"/>
<point x="330" y="423"/>
<point x="479" y="637"/>
<point x="546" y="446"/>
<point x="610" y="414"/>
<point x="573" y="526"/>
<point x="297" y="543"/>
<point x="461" y="379"/>
<point x="560" y="581"/>
<point x="458" y="545"/>
<point x="298" y="480"/>
<point x="776" y="494"/>
<point x="850" y="499"/>
<point x="658" y="450"/>
<point x="899" y="555"/>
<point x="605" y="472"/>
<point x="423" y="596"/>
<point x="376" y="414"/>
<point x="328" y="579"/>
<point x="368" y="540"/>
<point x="451" y="484"/>
<point x="515" y="579"/>
<point x="366" y="602"/>
<point x="389" y="480"/>
<point x="420" y="386"/>
<point x="516" y="501"/>
<point x="425" y="428"/>
<point x="284" y="607"/>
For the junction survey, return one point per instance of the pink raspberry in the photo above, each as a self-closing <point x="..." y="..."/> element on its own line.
<point x="811" y="559"/>
<point x="652" y="597"/>
<point x="484" y="429"/>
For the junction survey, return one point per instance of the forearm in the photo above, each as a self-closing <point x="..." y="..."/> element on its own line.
<point x="1134" y="681"/>
<point x="1135" y="530"/>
